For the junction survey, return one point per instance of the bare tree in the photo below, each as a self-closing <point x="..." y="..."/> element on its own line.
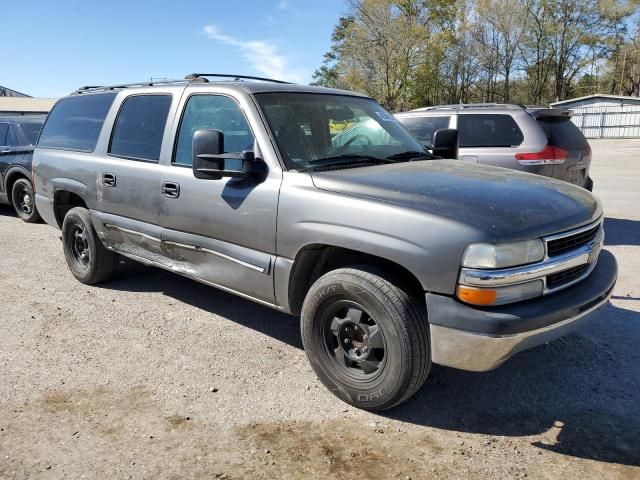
<point x="502" y="26"/>
<point x="409" y="53"/>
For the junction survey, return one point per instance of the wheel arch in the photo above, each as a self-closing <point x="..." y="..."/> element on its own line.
<point x="314" y="260"/>
<point x="14" y="173"/>
<point x="65" y="200"/>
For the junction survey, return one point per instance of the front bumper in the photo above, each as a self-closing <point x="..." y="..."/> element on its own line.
<point x="480" y="339"/>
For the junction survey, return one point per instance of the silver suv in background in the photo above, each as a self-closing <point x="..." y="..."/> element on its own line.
<point x="536" y="140"/>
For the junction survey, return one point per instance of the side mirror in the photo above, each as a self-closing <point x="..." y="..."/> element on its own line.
<point x="211" y="163"/>
<point x="445" y="143"/>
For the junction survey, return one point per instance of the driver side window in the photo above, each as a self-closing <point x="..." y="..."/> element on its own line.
<point x="217" y="112"/>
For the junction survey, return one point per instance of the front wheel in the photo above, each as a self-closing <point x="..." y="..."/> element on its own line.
<point x="23" y="201"/>
<point x="366" y="339"/>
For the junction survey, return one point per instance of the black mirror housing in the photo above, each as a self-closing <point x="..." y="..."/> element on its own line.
<point x="205" y="144"/>
<point x="445" y="143"/>
<point x="209" y="158"/>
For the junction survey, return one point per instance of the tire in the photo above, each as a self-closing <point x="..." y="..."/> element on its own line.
<point x="589" y="184"/>
<point x="23" y="201"/>
<point x="89" y="261"/>
<point x="330" y="318"/>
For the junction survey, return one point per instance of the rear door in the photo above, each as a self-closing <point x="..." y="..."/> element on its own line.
<point x="129" y="186"/>
<point x="488" y="138"/>
<point x="563" y="134"/>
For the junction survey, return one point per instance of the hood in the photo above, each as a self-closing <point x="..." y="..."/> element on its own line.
<point x="505" y="203"/>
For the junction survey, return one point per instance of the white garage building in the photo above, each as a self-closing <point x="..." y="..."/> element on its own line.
<point x="605" y="116"/>
<point x="14" y="103"/>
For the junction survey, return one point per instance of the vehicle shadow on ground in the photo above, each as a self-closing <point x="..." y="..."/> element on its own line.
<point x="620" y="231"/>
<point x="138" y="278"/>
<point x="7" y="211"/>
<point x="583" y="389"/>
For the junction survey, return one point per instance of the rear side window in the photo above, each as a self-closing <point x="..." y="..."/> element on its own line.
<point x="423" y="128"/>
<point x="139" y="128"/>
<point x="75" y="122"/>
<point x="562" y="133"/>
<point x="488" y="131"/>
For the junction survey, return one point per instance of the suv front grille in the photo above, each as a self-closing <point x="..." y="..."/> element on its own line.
<point x="567" y="276"/>
<point x="562" y="245"/>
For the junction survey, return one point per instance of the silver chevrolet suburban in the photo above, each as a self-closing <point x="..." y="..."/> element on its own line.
<point x="393" y="259"/>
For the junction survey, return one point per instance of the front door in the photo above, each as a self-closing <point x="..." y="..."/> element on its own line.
<point x="220" y="231"/>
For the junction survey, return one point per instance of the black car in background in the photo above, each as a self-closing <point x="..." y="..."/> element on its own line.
<point x="18" y="136"/>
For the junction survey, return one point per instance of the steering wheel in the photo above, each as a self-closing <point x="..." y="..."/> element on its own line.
<point x="359" y="136"/>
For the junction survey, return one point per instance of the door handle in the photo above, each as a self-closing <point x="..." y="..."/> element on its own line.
<point x="171" y="189"/>
<point x="108" y="179"/>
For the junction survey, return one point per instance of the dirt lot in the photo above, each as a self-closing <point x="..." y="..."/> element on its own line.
<point x="155" y="376"/>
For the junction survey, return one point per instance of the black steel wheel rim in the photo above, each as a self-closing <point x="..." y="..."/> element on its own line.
<point x="353" y="340"/>
<point x="79" y="245"/>
<point x="25" y="200"/>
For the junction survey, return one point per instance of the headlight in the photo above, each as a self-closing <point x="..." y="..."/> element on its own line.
<point x="500" y="295"/>
<point x="488" y="255"/>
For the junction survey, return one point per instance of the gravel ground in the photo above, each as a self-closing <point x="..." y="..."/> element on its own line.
<point x="155" y="376"/>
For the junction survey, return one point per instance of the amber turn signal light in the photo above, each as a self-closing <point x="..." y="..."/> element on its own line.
<point x="476" y="296"/>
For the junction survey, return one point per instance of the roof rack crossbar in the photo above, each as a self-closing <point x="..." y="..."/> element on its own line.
<point x="196" y="76"/>
<point x="462" y="106"/>
<point x="193" y="77"/>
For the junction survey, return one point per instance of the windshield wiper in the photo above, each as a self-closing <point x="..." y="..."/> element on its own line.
<point x="348" y="159"/>
<point x="411" y="155"/>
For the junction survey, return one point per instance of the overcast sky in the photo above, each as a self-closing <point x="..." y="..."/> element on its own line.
<point x="54" y="47"/>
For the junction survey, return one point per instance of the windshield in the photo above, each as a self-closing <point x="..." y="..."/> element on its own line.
<point x="315" y="130"/>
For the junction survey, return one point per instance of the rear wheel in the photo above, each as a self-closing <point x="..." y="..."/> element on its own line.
<point x="89" y="261"/>
<point x="23" y="201"/>
<point x="366" y="339"/>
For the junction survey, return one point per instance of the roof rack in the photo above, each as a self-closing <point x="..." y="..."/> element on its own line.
<point x="202" y="77"/>
<point x="191" y="78"/>
<point x="462" y="106"/>
<point x="92" y="88"/>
